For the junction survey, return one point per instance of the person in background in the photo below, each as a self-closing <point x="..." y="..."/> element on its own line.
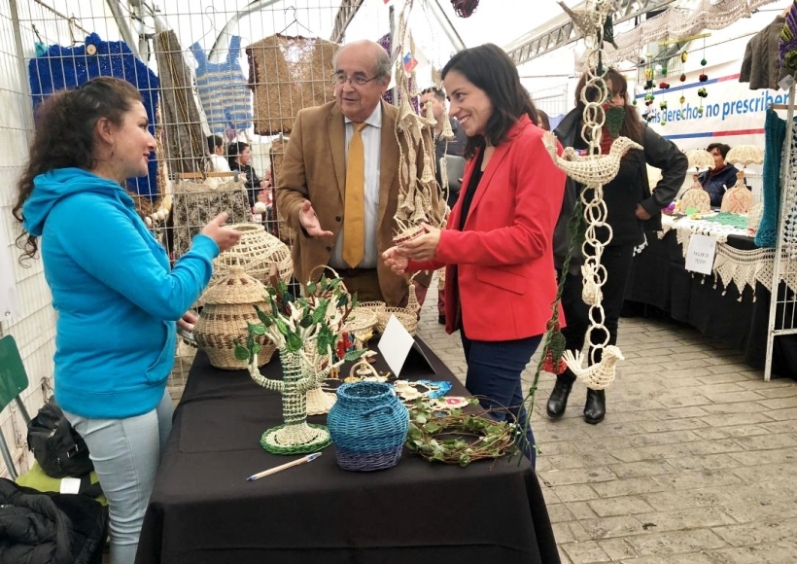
<point x="722" y="177"/>
<point x="632" y="210"/>
<point x="454" y="147"/>
<point x="216" y="148"/>
<point x="497" y="245"/>
<point x="239" y="155"/>
<point x="543" y="121"/>
<point x="118" y="301"/>
<point x="338" y="185"/>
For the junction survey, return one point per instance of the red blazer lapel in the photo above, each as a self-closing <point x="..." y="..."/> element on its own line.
<point x="501" y="151"/>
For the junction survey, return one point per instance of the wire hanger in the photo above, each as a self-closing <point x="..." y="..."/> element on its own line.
<point x="295" y="21"/>
<point x="212" y="23"/>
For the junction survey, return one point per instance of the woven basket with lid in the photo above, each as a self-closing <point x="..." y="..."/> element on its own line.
<point x="229" y="308"/>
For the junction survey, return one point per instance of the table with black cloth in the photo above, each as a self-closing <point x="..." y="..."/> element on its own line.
<point x="659" y="279"/>
<point x="204" y="510"/>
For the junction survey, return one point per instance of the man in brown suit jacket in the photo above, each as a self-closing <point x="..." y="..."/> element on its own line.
<point x="311" y="187"/>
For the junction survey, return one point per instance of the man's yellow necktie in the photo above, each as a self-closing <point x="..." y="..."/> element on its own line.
<point x="354" y="204"/>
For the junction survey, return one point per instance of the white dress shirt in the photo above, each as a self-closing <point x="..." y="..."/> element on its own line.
<point x="372" y="146"/>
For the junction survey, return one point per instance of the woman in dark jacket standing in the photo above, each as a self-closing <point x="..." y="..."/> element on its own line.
<point x="632" y="210"/>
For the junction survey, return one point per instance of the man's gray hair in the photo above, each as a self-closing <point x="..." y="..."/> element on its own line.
<point x="382" y="65"/>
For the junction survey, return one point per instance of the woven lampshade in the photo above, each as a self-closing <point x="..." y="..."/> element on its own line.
<point x="745" y="155"/>
<point x="700" y="158"/>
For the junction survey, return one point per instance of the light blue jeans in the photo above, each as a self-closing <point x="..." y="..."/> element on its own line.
<point x="126" y="453"/>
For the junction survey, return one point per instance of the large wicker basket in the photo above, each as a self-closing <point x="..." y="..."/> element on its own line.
<point x="256" y="252"/>
<point x="229" y="308"/>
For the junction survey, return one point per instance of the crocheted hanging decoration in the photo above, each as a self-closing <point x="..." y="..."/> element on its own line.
<point x="611" y="128"/>
<point x="223" y="90"/>
<point x="417" y="183"/>
<point x="62" y="68"/>
<point x="774" y="134"/>
<point x="465" y="8"/>
<point x="787" y="44"/>
<point x="384" y="41"/>
<point x="553" y="362"/>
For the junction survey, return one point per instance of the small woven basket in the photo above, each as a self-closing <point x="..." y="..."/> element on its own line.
<point x="368" y="425"/>
<point x="225" y="317"/>
<point x="376" y="307"/>
<point x="407" y="316"/>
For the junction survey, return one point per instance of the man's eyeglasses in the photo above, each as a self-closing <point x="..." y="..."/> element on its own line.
<point x="357" y="80"/>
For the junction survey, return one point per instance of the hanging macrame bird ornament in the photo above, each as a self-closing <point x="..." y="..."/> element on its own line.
<point x="598" y="376"/>
<point x="591" y="171"/>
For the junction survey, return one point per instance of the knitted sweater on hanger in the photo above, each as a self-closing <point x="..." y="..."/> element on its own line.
<point x="61" y="68"/>
<point x="775" y="133"/>
<point x="223" y="90"/>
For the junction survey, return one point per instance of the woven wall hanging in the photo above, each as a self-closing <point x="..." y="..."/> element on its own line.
<point x="196" y="203"/>
<point x="183" y="141"/>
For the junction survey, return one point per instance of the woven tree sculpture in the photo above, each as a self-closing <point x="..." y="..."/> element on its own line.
<point x="306" y="332"/>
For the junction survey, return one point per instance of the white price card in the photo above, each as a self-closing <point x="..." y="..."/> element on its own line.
<point x="700" y="254"/>
<point x="9" y="304"/>
<point x="70" y="485"/>
<point x="395" y="345"/>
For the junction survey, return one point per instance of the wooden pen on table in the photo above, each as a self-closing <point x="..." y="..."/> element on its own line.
<point x="269" y="472"/>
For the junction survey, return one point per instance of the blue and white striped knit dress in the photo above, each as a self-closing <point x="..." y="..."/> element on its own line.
<point x="223" y="90"/>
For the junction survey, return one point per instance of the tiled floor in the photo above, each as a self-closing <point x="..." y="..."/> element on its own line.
<point x="693" y="464"/>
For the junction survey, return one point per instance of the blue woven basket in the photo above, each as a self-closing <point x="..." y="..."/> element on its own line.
<point x="368" y="425"/>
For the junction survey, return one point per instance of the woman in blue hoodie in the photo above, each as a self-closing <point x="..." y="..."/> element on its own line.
<point x="117" y="299"/>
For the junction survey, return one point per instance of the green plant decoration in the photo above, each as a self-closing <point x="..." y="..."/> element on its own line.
<point x="457" y="437"/>
<point x="306" y="332"/>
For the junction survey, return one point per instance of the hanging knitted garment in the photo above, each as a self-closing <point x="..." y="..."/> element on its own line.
<point x="61" y="68"/>
<point x="223" y="90"/>
<point x="288" y="74"/>
<point x="775" y="133"/>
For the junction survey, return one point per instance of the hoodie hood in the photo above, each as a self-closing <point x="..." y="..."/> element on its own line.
<point x="51" y="187"/>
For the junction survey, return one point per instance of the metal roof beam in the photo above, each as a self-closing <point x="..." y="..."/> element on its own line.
<point x="348" y="9"/>
<point x="567" y="33"/>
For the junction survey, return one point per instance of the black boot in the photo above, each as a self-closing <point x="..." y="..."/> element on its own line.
<point x="595" y="408"/>
<point x="557" y="403"/>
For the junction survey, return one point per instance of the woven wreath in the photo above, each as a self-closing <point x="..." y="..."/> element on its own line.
<point x="457" y="438"/>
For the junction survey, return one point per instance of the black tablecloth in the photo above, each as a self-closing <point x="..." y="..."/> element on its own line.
<point x="659" y="279"/>
<point x="204" y="511"/>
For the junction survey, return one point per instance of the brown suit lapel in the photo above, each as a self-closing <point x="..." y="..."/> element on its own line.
<point x="389" y="157"/>
<point x="336" y="135"/>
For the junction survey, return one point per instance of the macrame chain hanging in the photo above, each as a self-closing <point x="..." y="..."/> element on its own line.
<point x="593" y="170"/>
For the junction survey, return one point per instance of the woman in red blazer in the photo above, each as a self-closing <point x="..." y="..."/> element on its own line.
<point x="497" y="246"/>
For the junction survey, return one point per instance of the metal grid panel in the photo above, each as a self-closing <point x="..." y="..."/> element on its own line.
<point x="26" y="25"/>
